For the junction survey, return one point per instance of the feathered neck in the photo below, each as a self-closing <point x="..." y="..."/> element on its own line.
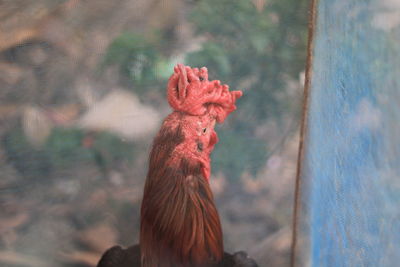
<point x="180" y="224"/>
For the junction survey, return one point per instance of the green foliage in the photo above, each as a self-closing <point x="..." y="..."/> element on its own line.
<point x="64" y="149"/>
<point x="213" y="56"/>
<point x="250" y="153"/>
<point x="259" y="49"/>
<point x="27" y="160"/>
<point x="113" y="147"/>
<point x="263" y="45"/>
<point x="138" y="60"/>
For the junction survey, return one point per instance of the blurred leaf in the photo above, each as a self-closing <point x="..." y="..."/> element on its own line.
<point x="65" y="148"/>
<point x="137" y="59"/>
<point x="28" y="161"/>
<point x="235" y="154"/>
<point x="113" y="147"/>
<point x="164" y="68"/>
<point x="213" y="56"/>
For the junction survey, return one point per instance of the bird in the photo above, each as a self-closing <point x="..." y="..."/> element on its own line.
<point x="179" y="221"/>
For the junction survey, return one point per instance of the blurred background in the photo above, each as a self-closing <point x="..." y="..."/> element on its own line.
<point x="82" y="94"/>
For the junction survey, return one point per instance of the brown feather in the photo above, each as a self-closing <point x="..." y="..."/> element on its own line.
<point x="180" y="225"/>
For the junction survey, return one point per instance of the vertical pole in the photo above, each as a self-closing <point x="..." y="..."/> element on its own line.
<point x="303" y="127"/>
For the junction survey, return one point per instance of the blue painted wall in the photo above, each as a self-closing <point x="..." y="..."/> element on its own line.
<point x="352" y="155"/>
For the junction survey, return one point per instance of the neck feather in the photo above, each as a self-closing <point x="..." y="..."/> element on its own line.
<point x="180" y="224"/>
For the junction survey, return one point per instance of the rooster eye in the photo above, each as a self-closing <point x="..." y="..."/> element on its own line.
<point x="201" y="78"/>
<point x="204" y="130"/>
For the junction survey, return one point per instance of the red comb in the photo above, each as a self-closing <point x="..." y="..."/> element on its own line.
<point x="190" y="91"/>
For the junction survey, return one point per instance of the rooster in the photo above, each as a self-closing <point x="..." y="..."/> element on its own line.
<point x="179" y="224"/>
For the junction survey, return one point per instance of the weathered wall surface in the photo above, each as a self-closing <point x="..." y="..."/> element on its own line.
<point x="351" y="168"/>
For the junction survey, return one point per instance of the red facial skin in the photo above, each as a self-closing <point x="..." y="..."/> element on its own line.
<point x="200" y="138"/>
<point x="198" y="104"/>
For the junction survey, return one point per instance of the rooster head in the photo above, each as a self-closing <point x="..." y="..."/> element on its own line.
<point x="198" y="104"/>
